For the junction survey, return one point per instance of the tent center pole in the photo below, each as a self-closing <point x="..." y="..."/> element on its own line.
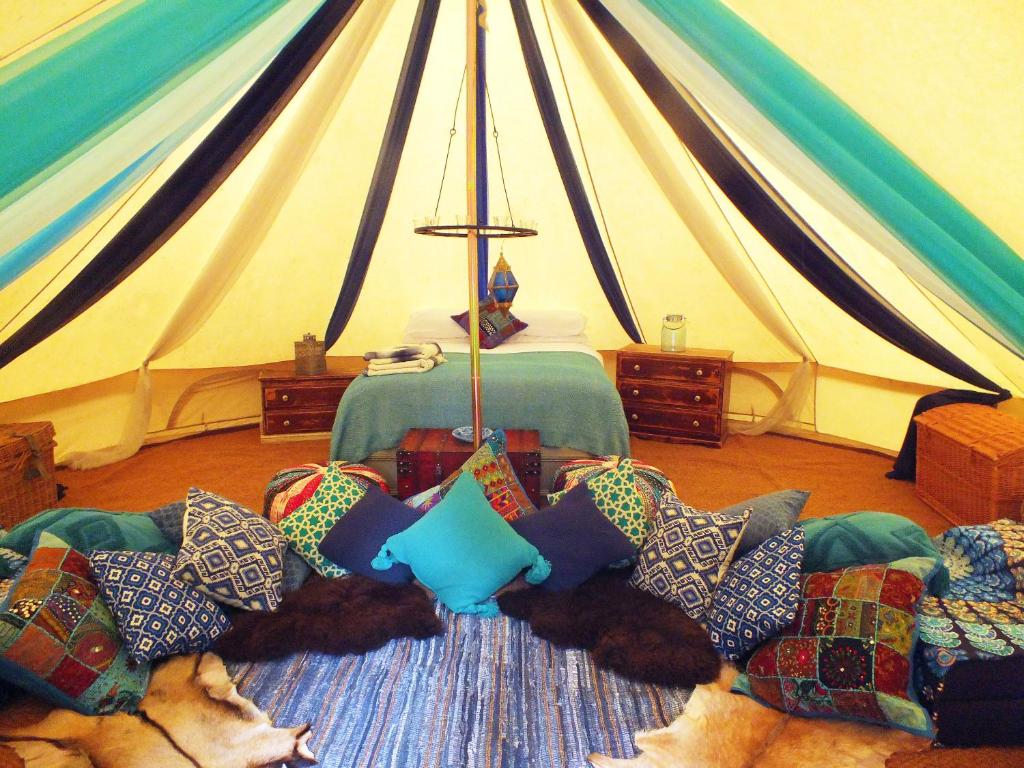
<point x="472" y="24"/>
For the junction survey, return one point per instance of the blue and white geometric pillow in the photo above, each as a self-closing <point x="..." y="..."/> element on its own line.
<point x="686" y="555"/>
<point x="227" y="552"/>
<point x="157" y="614"/>
<point x="758" y="596"/>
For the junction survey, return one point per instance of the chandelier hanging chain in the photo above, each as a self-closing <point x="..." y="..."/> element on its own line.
<point x="451" y="138"/>
<point x="497" y="151"/>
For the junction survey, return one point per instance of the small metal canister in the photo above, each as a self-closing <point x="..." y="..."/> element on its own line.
<point x="310" y="356"/>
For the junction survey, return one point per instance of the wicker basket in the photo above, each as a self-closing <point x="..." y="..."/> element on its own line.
<point x="970" y="463"/>
<point x="27" y="483"/>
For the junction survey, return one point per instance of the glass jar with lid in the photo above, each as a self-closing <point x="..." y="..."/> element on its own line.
<point x="673" y="333"/>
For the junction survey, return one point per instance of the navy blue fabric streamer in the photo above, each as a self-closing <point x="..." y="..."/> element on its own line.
<point x="384" y="172"/>
<point x="834" y="279"/>
<point x="569" y="172"/>
<point x="482" y="212"/>
<point x="193" y="182"/>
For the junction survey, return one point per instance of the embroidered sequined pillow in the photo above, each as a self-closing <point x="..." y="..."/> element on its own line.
<point x="157" y="614"/>
<point x="496" y="325"/>
<point x="308" y="525"/>
<point x="615" y="493"/>
<point x="848" y="652"/>
<point x="59" y="640"/>
<point x="230" y="554"/>
<point x="758" y="596"/>
<point x="490" y="467"/>
<point x="686" y="555"/>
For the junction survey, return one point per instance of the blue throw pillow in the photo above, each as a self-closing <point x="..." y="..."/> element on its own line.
<point x="770" y="515"/>
<point x="231" y="554"/>
<point x="464" y="551"/>
<point x="157" y="614"/>
<point x="575" y="537"/>
<point x="758" y="596"/>
<point x="357" y="537"/>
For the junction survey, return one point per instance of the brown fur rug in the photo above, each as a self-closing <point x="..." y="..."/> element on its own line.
<point x="626" y="630"/>
<point x="352" y="614"/>
<point x="720" y="729"/>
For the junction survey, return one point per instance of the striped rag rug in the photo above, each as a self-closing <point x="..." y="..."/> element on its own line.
<point x="486" y="694"/>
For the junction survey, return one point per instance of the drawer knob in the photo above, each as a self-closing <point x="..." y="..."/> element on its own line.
<point x="700" y="371"/>
<point x="636" y="367"/>
<point x="696" y="423"/>
<point x="287" y="422"/>
<point x="696" y="398"/>
<point x="284" y="398"/>
<point x="634" y="417"/>
<point x="636" y="392"/>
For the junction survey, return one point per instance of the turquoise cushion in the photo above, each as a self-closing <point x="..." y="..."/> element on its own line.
<point x="88" y="530"/>
<point x="867" y="538"/>
<point x="464" y="551"/>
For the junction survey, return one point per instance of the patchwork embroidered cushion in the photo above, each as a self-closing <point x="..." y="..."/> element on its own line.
<point x="649" y="482"/>
<point x="770" y="515"/>
<point x="59" y="640"/>
<point x="230" y="554"/>
<point x="496" y="325"/>
<point x="157" y="614"/>
<point x="848" y="653"/>
<point x="615" y="493"/>
<point x="357" y="536"/>
<point x="864" y="538"/>
<point x="686" y="555"/>
<point x="306" y="528"/>
<point x="464" y="552"/>
<point x="575" y="538"/>
<point x="758" y="596"/>
<point x="490" y="467"/>
<point x="90" y="529"/>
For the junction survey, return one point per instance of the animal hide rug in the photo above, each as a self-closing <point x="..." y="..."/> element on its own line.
<point x="191" y="717"/>
<point x="626" y="630"/>
<point x="352" y="614"/>
<point x="720" y="729"/>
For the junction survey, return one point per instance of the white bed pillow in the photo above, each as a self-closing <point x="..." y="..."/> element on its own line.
<point x="432" y="325"/>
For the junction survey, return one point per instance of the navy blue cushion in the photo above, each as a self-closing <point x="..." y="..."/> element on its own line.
<point x="576" y="537"/>
<point x="359" y="534"/>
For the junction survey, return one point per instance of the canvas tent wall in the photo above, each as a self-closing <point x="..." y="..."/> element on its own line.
<point x="936" y="79"/>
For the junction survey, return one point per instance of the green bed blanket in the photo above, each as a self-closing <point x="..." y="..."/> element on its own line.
<point x="566" y="396"/>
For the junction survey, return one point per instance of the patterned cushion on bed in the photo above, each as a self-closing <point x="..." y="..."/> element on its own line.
<point x="305" y="528"/>
<point x="615" y="492"/>
<point x="758" y="595"/>
<point x="157" y="614"/>
<point x="848" y="653"/>
<point x="230" y="553"/>
<point x="59" y="640"/>
<point x="490" y="467"/>
<point x="496" y="325"/>
<point x="686" y="555"/>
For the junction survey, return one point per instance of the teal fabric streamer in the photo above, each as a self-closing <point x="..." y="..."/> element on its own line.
<point x="75" y="94"/>
<point x="954" y="243"/>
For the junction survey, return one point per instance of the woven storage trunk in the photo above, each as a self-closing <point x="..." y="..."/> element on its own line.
<point x="27" y="482"/>
<point x="970" y="463"/>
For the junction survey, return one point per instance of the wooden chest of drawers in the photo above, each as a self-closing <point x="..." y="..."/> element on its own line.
<point x="302" y="407"/>
<point x="426" y="457"/>
<point x="678" y="397"/>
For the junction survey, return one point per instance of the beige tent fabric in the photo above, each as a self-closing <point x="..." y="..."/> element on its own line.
<point x="251" y="223"/>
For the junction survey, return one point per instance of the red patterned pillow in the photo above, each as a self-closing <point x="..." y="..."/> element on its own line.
<point x="848" y="652"/>
<point x="496" y="324"/>
<point x="289" y="489"/>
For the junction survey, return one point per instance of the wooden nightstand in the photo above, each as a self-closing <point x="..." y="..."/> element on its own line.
<point x="678" y="397"/>
<point x="303" y="407"/>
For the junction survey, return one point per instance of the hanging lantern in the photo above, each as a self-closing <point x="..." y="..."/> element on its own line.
<point x="503" y="285"/>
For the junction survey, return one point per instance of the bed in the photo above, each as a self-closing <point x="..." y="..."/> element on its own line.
<point x="486" y="694"/>
<point x="552" y="382"/>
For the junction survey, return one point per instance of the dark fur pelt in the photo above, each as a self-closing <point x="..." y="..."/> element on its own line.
<point x="626" y="630"/>
<point x="352" y="614"/>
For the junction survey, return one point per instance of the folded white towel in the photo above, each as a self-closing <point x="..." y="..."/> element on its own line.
<point x="376" y="368"/>
<point x="404" y="352"/>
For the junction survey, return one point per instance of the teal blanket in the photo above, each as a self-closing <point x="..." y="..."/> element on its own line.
<point x="566" y="396"/>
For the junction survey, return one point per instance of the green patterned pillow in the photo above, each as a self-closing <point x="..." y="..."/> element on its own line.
<point x="307" y="526"/>
<point x="615" y="494"/>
